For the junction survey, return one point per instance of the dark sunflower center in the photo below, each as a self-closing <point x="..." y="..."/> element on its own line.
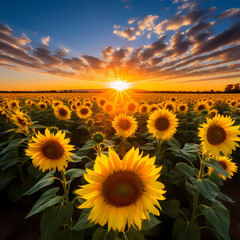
<point x="169" y="107"/>
<point x="122" y="188"/>
<point x="109" y="108"/>
<point x="213" y="114"/>
<point x="63" y="112"/>
<point x="74" y="107"/>
<point x="153" y="109"/>
<point x="52" y="150"/>
<point x="21" y="121"/>
<point x="216" y="135"/>
<point x="144" y="109"/>
<point x="42" y="106"/>
<point x="98" y="138"/>
<point x="201" y="107"/>
<point x="14" y="104"/>
<point x="102" y="102"/>
<point x="223" y="164"/>
<point x="88" y="104"/>
<point x="131" y="107"/>
<point x="162" y="123"/>
<point x="84" y="111"/>
<point x="124" y="124"/>
<point x="182" y="108"/>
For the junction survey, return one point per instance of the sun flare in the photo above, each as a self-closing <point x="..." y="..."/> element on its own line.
<point x="120" y="85"/>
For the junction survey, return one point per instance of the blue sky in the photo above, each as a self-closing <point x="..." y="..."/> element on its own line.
<point x="86" y="27"/>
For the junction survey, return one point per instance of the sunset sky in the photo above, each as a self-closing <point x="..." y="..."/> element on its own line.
<point x="153" y="44"/>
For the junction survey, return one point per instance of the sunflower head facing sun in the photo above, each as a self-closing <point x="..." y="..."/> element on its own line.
<point x="219" y="135"/>
<point x="125" y="188"/>
<point x="50" y="151"/>
<point x="125" y="126"/>
<point x="162" y="124"/>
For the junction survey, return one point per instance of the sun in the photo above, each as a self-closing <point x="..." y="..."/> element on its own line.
<point x="120" y="85"/>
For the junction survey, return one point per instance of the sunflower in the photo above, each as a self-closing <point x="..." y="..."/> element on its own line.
<point x="171" y="106"/>
<point x="13" y="104"/>
<point x="183" y="108"/>
<point x="50" y="151"/>
<point x="98" y="137"/>
<point x="143" y="109"/>
<point x="153" y="108"/>
<point x="73" y="107"/>
<point x="229" y="166"/>
<point x="125" y="126"/>
<point x="162" y="124"/>
<point x="62" y="112"/>
<point x="56" y="103"/>
<point x="218" y="134"/>
<point x="88" y="103"/>
<point x="122" y="192"/>
<point x="131" y="107"/>
<point x="42" y="106"/>
<point x="90" y="122"/>
<point x="201" y="106"/>
<point x="84" y="112"/>
<point x="109" y="108"/>
<point x="101" y="102"/>
<point x="20" y="119"/>
<point x="213" y="112"/>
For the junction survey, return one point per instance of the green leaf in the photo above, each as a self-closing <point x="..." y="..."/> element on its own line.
<point x="214" y="177"/>
<point x="9" y="159"/>
<point x="45" y="181"/>
<point x="170" y="208"/>
<point x="38" y="126"/>
<point x="53" y="218"/>
<point x="206" y="187"/>
<point x="134" y="234"/>
<point x="186" y="170"/>
<point x="190" y="188"/>
<point x="4" y="182"/>
<point x="83" y="222"/>
<point x="13" y="144"/>
<point x="225" y="198"/>
<point x="147" y="225"/>
<point x="47" y="199"/>
<point x="217" y="217"/>
<point x="183" y="230"/>
<point x="217" y="167"/>
<point x="74" y="173"/>
<point x="101" y="233"/>
<point x="76" y="158"/>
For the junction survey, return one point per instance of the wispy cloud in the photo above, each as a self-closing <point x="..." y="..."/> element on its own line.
<point x="45" y="40"/>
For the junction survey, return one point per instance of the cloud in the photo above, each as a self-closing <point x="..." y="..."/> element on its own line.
<point x="45" y="40"/>
<point x="129" y="33"/>
<point x="199" y="50"/>
<point x="132" y="20"/>
<point x="147" y="22"/>
<point x="233" y="12"/>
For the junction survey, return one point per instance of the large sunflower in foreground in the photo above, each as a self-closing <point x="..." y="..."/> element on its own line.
<point x="125" y="126"/>
<point x="229" y="166"/>
<point x="162" y="124"/>
<point x="218" y="134"/>
<point x="50" y="151"/>
<point x="123" y="192"/>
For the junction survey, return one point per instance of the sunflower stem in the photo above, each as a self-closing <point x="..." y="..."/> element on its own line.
<point x="64" y="183"/>
<point x="196" y="197"/>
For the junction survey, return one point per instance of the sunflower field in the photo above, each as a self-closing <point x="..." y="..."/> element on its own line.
<point x="114" y="167"/>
